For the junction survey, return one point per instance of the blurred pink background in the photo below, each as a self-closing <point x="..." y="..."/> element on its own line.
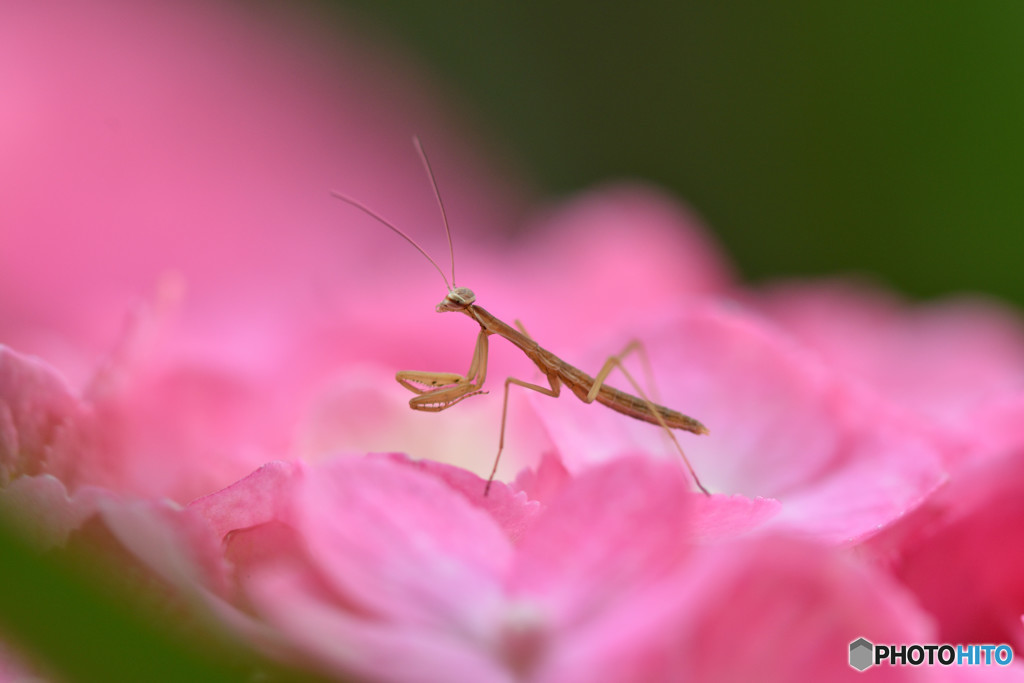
<point x="200" y="139"/>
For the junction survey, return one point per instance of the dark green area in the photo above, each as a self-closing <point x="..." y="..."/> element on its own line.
<point x="814" y="137"/>
<point x="90" y="624"/>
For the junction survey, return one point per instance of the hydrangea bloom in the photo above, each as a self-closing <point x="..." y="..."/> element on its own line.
<point x="204" y="380"/>
<point x="391" y="570"/>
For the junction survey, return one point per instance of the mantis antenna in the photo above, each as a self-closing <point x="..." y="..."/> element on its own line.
<point x="440" y="204"/>
<point x="444" y="216"/>
<point x="365" y="209"/>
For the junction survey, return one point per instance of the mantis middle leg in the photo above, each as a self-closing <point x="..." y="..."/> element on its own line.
<point x="553" y="390"/>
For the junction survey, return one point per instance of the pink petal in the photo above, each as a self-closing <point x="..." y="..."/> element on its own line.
<point x="37" y="410"/>
<point x="611" y="529"/>
<point x="401" y="544"/>
<point x="261" y="497"/>
<point x="349" y="645"/>
<point x="511" y="509"/>
<point x="179" y="433"/>
<point x="782" y="426"/>
<point x="546" y="481"/>
<point x="721" y="517"/>
<point x="614" y="256"/>
<point x="771" y="413"/>
<point x="959" y="553"/>
<point x="940" y="359"/>
<point x="997" y="428"/>
<point x="771" y="609"/>
<point x="887" y="467"/>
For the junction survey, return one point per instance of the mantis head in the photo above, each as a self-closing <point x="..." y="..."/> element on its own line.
<point x="458" y="299"/>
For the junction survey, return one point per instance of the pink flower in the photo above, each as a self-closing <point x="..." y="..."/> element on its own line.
<point x="36" y="413"/>
<point x="783" y="425"/>
<point x="187" y="316"/>
<point x="960" y="553"/>
<point x="170" y="247"/>
<point x="386" y="570"/>
<point x="943" y="362"/>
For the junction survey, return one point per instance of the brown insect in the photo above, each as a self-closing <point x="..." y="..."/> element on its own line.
<point x="437" y="391"/>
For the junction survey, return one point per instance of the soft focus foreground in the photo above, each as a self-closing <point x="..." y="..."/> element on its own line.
<point x="198" y="349"/>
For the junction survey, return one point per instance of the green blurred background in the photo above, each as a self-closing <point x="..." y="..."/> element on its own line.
<point x="871" y="137"/>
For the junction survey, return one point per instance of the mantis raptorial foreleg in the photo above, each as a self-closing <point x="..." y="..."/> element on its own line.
<point x="439" y="390"/>
<point x="614" y="362"/>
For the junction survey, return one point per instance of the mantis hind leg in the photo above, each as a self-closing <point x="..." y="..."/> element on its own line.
<point x="614" y="362"/>
<point x="635" y="346"/>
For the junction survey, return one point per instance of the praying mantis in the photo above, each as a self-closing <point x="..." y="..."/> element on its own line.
<point x="437" y="391"/>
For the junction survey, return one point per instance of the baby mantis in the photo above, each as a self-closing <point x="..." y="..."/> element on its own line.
<point x="437" y="391"/>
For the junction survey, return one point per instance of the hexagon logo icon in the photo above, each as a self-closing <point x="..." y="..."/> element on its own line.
<point x="860" y="654"/>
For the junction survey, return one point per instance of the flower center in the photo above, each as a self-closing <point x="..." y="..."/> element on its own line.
<point x="523" y="636"/>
